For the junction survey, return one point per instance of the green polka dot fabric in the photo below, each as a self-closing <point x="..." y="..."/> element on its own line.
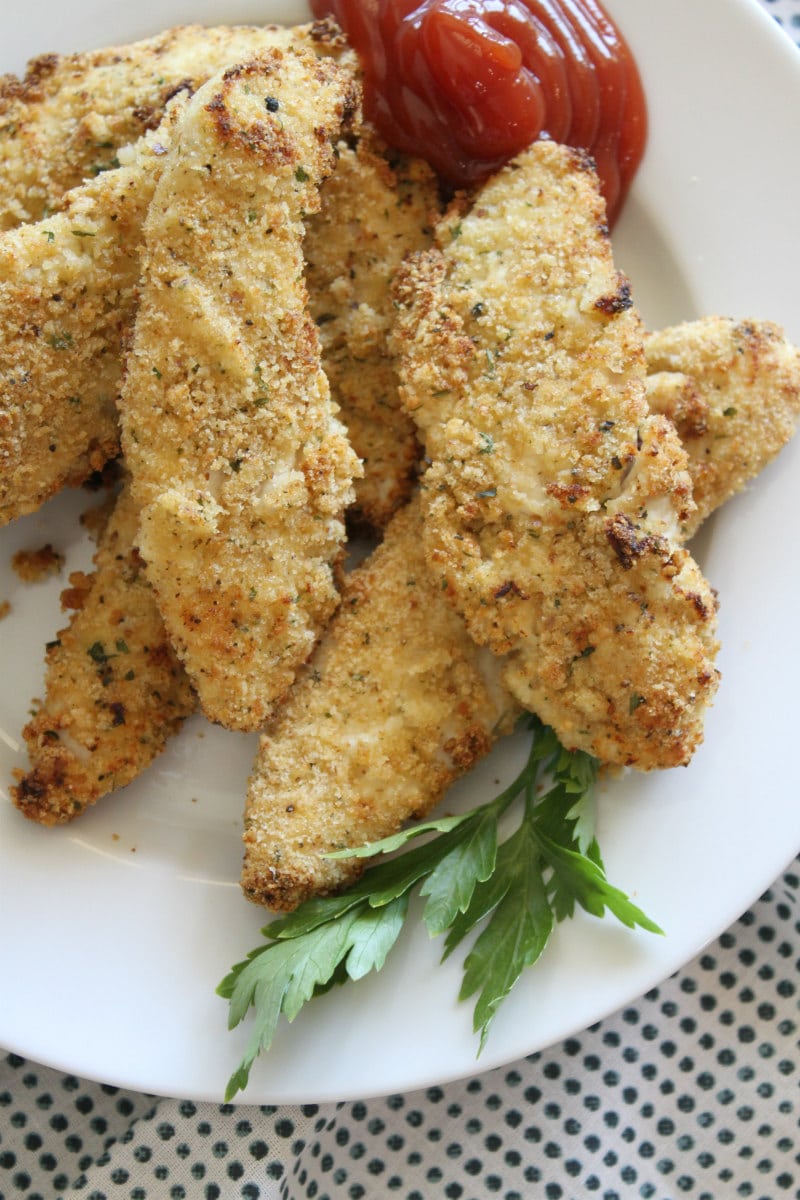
<point x="692" y="1091"/>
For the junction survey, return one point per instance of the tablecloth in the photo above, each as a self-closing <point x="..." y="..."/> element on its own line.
<point x="691" y="1091"/>
<point x="787" y="14"/>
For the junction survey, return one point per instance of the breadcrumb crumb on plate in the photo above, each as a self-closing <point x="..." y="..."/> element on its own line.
<point x="31" y="566"/>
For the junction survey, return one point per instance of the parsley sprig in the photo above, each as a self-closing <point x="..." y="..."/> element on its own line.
<point x="516" y="888"/>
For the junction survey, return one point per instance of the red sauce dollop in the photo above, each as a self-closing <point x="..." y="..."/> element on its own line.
<point x="468" y="84"/>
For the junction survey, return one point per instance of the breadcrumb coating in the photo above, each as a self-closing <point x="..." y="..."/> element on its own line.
<point x="68" y="282"/>
<point x="732" y="390"/>
<point x="239" y="464"/>
<point x="554" y="501"/>
<point x="396" y="704"/>
<point x="115" y="691"/>
<point x="374" y="212"/>
<point x="68" y="289"/>
<point x="67" y="118"/>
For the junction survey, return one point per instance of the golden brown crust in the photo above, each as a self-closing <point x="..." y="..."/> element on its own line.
<point x="422" y="676"/>
<point x="68" y="282"/>
<point x="396" y="704"/>
<point x="115" y="692"/>
<point x="732" y="390"/>
<point x="67" y="118"/>
<point x="67" y="299"/>
<point x="374" y="211"/>
<point x="239" y="465"/>
<point x="523" y="365"/>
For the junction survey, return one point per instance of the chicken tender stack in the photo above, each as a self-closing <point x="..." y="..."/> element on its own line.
<point x="373" y="213"/>
<point x="240" y="467"/>
<point x="68" y="281"/>
<point x="541" y="565"/>
<point x="554" y="500"/>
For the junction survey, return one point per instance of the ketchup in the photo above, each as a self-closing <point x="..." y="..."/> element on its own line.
<point x="468" y="84"/>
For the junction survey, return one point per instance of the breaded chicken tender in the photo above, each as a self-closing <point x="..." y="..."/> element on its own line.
<point x="396" y="703"/>
<point x="67" y="298"/>
<point x="67" y="118"/>
<point x="732" y="390"/>
<point x="115" y="691"/>
<point x="241" y="468"/>
<point x="554" y="501"/>
<point x="374" y="211"/>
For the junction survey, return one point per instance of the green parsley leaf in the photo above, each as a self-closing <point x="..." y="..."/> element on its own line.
<point x="374" y="932"/>
<point x="509" y="893"/>
<point x="280" y="978"/>
<point x="60" y="340"/>
<point x="578" y="879"/>
<point x="450" y="885"/>
<point x="98" y="653"/>
<point x="514" y="938"/>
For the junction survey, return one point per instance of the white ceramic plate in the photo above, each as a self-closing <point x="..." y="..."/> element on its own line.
<point x="116" y="930"/>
